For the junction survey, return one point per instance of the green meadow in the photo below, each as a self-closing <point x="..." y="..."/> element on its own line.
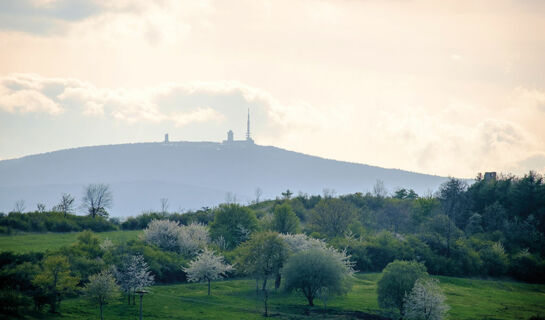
<point x="236" y="299"/>
<point x="40" y="242"/>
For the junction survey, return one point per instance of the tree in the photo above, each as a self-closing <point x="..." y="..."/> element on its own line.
<point x="262" y="257"/>
<point x="55" y="280"/>
<point x="19" y="206"/>
<point x="234" y="223"/>
<point x="258" y="193"/>
<point x="379" y="190"/>
<point x="397" y="280"/>
<point x="332" y="216"/>
<point x="207" y="267"/>
<point x="284" y="219"/>
<point x="313" y="270"/>
<point x="163" y="233"/>
<point x="101" y="289"/>
<point x="164" y="205"/>
<point x="451" y="195"/>
<point x="426" y="301"/>
<point x="133" y="274"/>
<point x="66" y="205"/>
<point x="192" y="238"/>
<point x="40" y="207"/>
<point x="287" y="195"/>
<point x="96" y="199"/>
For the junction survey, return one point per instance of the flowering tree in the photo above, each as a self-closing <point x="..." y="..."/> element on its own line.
<point x="101" y="289"/>
<point x="133" y="274"/>
<point x="207" y="267"/>
<point x="162" y="233"/>
<point x="425" y="301"/>
<point x="193" y="238"/>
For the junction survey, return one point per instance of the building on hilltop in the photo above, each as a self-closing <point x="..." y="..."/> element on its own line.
<point x="489" y="176"/>
<point x="248" y="140"/>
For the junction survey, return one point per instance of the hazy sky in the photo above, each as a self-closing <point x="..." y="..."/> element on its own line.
<point x="441" y="87"/>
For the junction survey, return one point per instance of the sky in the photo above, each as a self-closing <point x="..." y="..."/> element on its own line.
<point x="450" y="88"/>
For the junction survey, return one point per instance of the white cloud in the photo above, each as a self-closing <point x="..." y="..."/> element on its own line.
<point x="27" y="101"/>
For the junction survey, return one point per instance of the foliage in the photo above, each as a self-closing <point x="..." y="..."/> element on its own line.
<point x="163" y="233"/>
<point x="52" y="221"/>
<point x="101" y="289"/>
<point x="284" y="219"/>
<point x="193" y="238"/>
<point x="311" y="270"/>
<point x="332" y="216"/>
<point x="234" y="223"/>
<point x="207" y="266"/>
<point x="133" y="274"/>
<point x="56" y="280"/>
<point x="263" y="256"/>
<point x="397" y="280"/>
<point x="426" y="301"/>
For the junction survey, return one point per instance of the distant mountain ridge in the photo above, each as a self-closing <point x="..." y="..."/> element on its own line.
<point x="189" y="174"/>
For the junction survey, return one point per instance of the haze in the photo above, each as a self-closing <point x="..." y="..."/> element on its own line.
<point x="447" y="88"/>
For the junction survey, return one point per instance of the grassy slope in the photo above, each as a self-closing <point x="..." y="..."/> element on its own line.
<point x="22" y="243"/>
<point x="235" y="299"/>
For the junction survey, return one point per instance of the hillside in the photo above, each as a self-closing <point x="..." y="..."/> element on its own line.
<point x="189" y="174"/>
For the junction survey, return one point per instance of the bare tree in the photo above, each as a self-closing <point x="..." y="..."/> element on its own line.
<point x="164" y="205"/>
<point x="231" y="198"/>
<point x="96" y="199"/>
<point x="379" y="190"/>
<point x="40" y="207"/>
<point x="66" y="205"/>
<point x="258" y="193"/>
<point x="19" y="206"/>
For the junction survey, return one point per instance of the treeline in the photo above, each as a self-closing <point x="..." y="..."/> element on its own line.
<point x="52" y="221"/>
<point x="495" y="227"/>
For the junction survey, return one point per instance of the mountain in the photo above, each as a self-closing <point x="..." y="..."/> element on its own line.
<point x="189" y="174"/>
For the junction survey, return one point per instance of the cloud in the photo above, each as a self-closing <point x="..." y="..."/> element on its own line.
<point x="26" y="99"/>
<point x="178" y="103"/>
<point x="43" y="17"/>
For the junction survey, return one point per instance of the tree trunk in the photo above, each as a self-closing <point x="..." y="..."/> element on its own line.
<point x="277" y="281"/>
<point x="256" y="286"/>
<point x="101" y="317"/>
<point x="265" y="300"/>
<point x="208" y="286"/>
<point x="53" y="304"/>
<point x="264" y="284"/>
<point x="129" y="296"/>
<point x="310" y="301"/>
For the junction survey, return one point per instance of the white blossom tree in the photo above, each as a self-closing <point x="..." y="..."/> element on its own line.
<point x="192" y="238"/>
<point x="301" y="242"/>
<point x="426" y="301"/>
<point x="207" y="267"/>
<point x="101" y="289"/>
<point x="133" y="274"/>
<point x="162" y="233"/>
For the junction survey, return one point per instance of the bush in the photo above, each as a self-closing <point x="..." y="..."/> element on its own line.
<point x="397" y="280"/>
<point x="313" y="270"/>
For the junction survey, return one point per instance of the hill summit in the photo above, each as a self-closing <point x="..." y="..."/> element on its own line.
<point x="189" y="174"/>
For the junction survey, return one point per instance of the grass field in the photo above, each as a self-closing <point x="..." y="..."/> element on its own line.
<point x="39" y="242"/>
<point x="236" y="299"/>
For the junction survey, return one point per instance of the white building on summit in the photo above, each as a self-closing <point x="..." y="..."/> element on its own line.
<point x="231" y="139"/>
